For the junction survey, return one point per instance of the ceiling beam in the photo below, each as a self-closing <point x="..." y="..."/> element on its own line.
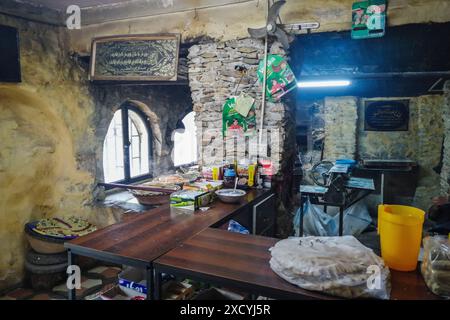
<point x="110" y="12"/>
<point x="33" y="12"/>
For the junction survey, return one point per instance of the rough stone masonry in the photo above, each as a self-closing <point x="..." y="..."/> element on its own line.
<point x="213" y="79"/>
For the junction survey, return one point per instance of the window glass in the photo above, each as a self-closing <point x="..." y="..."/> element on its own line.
<point x="185" y="142"/>
<point x="137" y="139"/>
<point x="113" y="150"/>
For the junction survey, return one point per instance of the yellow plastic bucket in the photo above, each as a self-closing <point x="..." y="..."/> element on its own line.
<point x="400" y="229"/>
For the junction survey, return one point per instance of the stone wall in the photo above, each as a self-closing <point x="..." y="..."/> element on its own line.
<point x="340" y="127"/>
<point x="45" y="131"/>
<point x="430" y="136"/>
<point x="52" y="127"/>
<point x="345" y="137"/>
<point x="445" y="172"/>
<point x="213" y="79"/>
<point x="389" y="145"/>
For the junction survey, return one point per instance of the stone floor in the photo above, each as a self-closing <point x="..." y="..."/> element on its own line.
<point x="95" y="280"/>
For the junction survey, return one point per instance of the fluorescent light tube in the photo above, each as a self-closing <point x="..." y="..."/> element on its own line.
<point x="325" y="83"/>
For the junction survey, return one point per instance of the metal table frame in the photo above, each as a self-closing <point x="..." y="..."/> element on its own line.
<point x="315" y="199"/>
<point x="73" y="251"/>
<point x="219" y="281"/>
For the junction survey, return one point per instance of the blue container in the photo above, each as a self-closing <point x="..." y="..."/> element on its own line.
<point x="350" y="162"/>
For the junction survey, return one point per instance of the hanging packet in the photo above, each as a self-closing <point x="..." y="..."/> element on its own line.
<point x="280" y="78"/>
<point x="234" y="123"/>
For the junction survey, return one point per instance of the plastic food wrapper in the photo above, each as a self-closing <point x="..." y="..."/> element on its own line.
<point x="339" y="266"/>
<point x="436" y="264"/>
<point x="246" y="174"/>
<point x="317" y="222"/>
<point x="235" y="226"/>
<point x="189" y="200"/>
<point x="212" y="172"/>
<point x="234" y="124"/>
<point x="280" y="78"/>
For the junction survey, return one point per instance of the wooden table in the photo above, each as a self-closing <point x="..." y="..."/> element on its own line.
<point x="230" y="259"/>
<point x="242" y="261"/>
<point x="139" y="240"/>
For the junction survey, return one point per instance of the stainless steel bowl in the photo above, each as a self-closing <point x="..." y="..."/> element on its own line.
<point x="231" y="195"/>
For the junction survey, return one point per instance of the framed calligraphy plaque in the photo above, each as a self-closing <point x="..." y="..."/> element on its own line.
<point x="152" y="57"/>
<point x="386" y="115"/>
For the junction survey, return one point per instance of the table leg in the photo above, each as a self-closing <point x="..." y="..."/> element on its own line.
<point x="382" y="188"/>
<point x="158" y="284"/>
<point x="150" y="283"/>
<point x="341" y="220"/>
<point x="71" y="260"/>
<point x="300" y="227"/>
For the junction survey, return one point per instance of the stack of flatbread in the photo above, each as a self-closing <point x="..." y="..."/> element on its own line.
<point x="339" y="266"/>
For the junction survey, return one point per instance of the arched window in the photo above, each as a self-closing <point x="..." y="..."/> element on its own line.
<point x="185" y="142"/>
<point x="127" y="146"/>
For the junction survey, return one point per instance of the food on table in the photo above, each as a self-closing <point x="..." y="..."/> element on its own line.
<point x="246" y="173"/>
<point x="190" y="176"/>
<point x="231" y="195"/>
<point x="172" y="178"/>
<point x="229" y="175"/>
<point x="146" y="197"/>
<point x="212" y="172"/>
<point x="339" y="266"/>
<point x="190" y="199"/>
<point x="204" y="185"/>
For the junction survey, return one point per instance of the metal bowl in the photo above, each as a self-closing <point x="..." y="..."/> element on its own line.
<point x="231" y="195"/>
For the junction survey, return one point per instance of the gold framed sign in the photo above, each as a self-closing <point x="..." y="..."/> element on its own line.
<point x="146" y="57"/>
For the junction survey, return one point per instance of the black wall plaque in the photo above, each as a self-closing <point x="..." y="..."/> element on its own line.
<point x="388" y="115"/>
<point x="135" y="58"/>
<point x="9" y="55"/>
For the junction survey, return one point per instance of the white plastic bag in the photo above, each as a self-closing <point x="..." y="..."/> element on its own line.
<point x="339" y="266"/>
<point x="317" y="222"/>
<point x="356" y="219"/>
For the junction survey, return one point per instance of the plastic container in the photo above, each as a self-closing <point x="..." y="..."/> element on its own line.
<point x="436" y="264"/>
<point x="400" y="229"/>
<point x="132" y="282"/>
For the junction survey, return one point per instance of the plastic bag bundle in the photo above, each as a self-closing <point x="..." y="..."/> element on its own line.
<point x="316" y="222"/>
<point x="339" y="266"/>
<point x="436" y="264"/>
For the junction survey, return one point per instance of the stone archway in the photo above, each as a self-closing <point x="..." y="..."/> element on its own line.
<point x="163" y="106"/>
